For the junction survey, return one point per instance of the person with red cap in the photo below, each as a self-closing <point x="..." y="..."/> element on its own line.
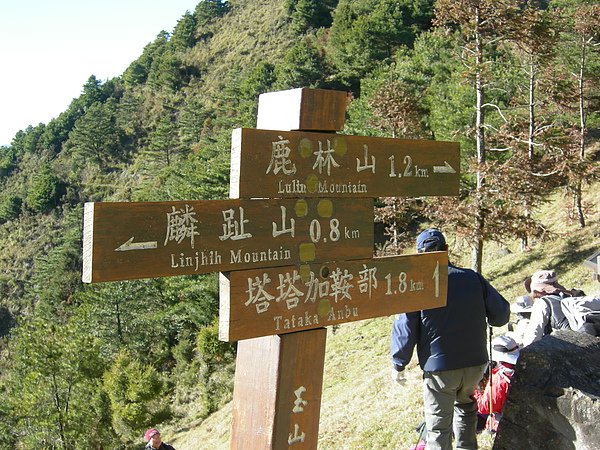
<point x="152" y="437"/>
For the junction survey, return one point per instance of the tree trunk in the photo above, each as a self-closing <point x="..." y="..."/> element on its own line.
<point x="582" y="117"/>
<point x="582" y="130"/>
<point x="532" y="74"/>
<point x="477" y="251"/>
<point x="119" y="326"/>
<point x="476" y="256"/>
<point x="577" y="201"/>
<point x="60" y="419"/>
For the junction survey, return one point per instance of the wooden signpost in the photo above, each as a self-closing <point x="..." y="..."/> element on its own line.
<point x="295" y="247"/>
<point x="277" y="387"/>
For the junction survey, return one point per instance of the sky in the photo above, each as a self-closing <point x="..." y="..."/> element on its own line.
<point x="49" y="48"/>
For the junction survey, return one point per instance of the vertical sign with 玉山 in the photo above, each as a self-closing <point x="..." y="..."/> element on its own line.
<point x="277" y="394"/>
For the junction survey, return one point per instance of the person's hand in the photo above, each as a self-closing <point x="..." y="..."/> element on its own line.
<point x="398" y="376"/>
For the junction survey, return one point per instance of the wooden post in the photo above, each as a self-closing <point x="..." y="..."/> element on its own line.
<point x="277" y="393"/>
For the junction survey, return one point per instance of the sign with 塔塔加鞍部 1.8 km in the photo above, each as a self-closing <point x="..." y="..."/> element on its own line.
<point x="283" y="164"/>
<point x="123" y="241"/>
<point x="263" y="302"/>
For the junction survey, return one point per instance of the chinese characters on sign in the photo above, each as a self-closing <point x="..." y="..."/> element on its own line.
<point x="302" y="164"/>
<point x="139" y="240"/>
<point x="280" y="158"/>
<point x="337" y="286"/>
<point x="181" y="224"/>
<point x="299" y="405"/>
<point x="262" y="302"/>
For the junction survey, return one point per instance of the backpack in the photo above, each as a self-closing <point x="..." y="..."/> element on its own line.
<point x="576" y="313"/>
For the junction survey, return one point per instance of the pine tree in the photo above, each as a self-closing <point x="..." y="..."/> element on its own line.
<point x="480" y="23"/>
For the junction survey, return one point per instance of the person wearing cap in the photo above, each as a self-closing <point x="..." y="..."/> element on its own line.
<point x="522" y="310"/>
<point x="152" y="437"/>
<point x="546" y="315"/>
<point x="522" y="307"/>
<point x="451" y="344"/>
<point x="505" y="353"/>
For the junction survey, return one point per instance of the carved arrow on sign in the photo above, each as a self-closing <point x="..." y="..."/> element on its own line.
<point x="130" y="245"/>
<point x="446" y="168"/>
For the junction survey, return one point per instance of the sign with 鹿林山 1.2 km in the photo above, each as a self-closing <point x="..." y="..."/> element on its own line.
<point x="268" y="163"/>
<point x="263" y="302"/>
<point x="123" y="241"/>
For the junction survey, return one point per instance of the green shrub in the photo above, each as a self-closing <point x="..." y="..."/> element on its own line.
<point x="10" y="207"/>
<point x="44" y="191"/>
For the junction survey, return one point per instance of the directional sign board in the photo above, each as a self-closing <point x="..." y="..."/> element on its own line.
<point x="287" y="299"/>
<point x="267" y="163"/>
<point x="140" y="240"/>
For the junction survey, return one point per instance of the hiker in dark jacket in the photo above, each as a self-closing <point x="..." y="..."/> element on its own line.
<point x="451" y="346"/>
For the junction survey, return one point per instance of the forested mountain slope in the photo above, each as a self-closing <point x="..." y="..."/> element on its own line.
<point x="82" y="365"/>
<point x="361" y="406"/>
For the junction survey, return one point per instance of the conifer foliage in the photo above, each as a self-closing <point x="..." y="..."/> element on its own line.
<point x="91" y="366"/>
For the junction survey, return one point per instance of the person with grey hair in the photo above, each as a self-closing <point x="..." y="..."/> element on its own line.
<point x="451" y="344"/>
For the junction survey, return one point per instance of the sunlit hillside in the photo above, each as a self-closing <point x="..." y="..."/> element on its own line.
<point x="361" y="408"/>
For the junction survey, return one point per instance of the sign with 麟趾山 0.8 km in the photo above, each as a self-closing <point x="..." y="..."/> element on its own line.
<point x="262" y="302"/>
<point x="124" y="241"/>
<point x="266" y="163"/>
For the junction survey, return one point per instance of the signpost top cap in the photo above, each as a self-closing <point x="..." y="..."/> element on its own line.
<point x="302" y="109"/>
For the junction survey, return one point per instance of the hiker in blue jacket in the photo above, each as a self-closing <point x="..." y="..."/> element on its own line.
<point x="451" y="346"/>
